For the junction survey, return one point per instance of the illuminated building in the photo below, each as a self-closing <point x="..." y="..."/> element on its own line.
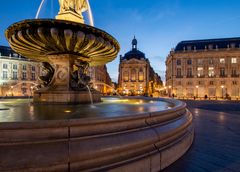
<point x="136" y="76"/>
<point x="204" y="68"/>
<point x="100" y="79"/>
<point x="18" y="75"/>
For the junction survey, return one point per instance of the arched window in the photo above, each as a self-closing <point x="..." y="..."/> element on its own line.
<point x="133" y="75"/>
<point x="141" y="75"/>
<point x="125" y="76"/>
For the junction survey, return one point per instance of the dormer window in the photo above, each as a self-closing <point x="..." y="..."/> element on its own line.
<point x="232" y="45"/>
<point x="210" y="46"/>
<point x="189" y="48"/>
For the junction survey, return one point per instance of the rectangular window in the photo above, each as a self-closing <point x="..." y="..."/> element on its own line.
<point x="15" y="77"/>
<point x="179" y="72"/>
<point x="33" y="76"/>
<point x="234" y="60"/>
<point x="222" y="72"/>
<point x="200" y="72"/>
<point x="178" y="62"/>
<point x="234" y="82"/>
<point x="189" y="61"/>
<point x="211" y="83"/>
<point x="5" y="75"/>
<point x="234" y="72"/>
<point x="211" y="72"/>
<point x="210" y="61"/>
<point x="189" y="72"/>
<point x="222" y="60"/>
<point x="33" y="68"/>
<point x="15" y="67"/>
<point x="24" y="67"/>
<point x="5" y="66"/>
<point x="200" y="61"/>
<point x="24" y="75"/>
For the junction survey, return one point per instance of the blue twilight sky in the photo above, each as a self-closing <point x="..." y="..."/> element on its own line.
<point x="158" y="24"/>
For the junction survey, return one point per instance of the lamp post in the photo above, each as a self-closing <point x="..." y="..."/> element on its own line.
<point x="169" y="93"/>
<point x="12" y="90"/>
<point x="31" y="89"/>
<point x="197" y="91"/>
<point x="222" y="90"/>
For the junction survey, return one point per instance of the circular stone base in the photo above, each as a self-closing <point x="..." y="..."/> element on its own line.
<point x="65" y="97"/>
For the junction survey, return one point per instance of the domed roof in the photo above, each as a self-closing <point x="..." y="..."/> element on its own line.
<point x="134" y="53"/>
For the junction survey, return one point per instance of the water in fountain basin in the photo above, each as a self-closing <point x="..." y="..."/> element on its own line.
<point x="19" y="110"/>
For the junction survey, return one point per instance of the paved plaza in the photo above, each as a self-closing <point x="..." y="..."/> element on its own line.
<point x="216" y="146"/>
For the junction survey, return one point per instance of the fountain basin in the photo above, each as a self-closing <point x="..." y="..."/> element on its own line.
<point x="137" y="141"/>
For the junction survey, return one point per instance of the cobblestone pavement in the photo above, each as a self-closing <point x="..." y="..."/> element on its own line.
<point x="216" y="146"/>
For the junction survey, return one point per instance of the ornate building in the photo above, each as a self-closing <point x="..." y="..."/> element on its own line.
<point x="18" y="75"/>
<point x="136" y="76"/>
<point x="100" y="79"/>
<point x="204" y="68"/>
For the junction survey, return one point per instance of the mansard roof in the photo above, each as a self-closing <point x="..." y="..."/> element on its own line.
<point x="221" y="43"/>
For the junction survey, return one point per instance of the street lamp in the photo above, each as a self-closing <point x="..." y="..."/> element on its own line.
<point x="12" y="90"/>
<point x="31" y="90"/>
<point x="169" y="93"/>
<point x="197" y="90"/>
<point x="222" y="90"/>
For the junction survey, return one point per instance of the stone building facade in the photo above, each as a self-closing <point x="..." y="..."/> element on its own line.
<point x="204" y="68"/>
<point x="136" y="76"/>
<point x="18" y="75"/>
<point x="100" y="79"/>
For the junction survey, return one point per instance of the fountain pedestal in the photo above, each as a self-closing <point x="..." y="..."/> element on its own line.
<point x="61" y="89"/>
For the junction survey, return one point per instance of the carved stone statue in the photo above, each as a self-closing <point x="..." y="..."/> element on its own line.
<point x="77" y="6"/>
<point x="80" y="79"/>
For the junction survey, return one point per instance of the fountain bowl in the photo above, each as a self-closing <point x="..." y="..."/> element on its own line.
<point x="40" y="38"/>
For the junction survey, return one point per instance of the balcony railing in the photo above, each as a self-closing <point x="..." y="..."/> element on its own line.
<point x="211" y="76"/>
<point x="190" y="76"/>
<point x="223" y="76"/>
<point x="179" y="76"/>
<point x="201" y="76"/>
<point x="234" y="76"/>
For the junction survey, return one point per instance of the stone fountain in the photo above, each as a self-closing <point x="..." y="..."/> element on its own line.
<point x="67" y="47"/>
<point x="117" y="135"/>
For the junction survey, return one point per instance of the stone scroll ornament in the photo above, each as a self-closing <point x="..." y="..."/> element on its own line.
<point x="48" y="74"/>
